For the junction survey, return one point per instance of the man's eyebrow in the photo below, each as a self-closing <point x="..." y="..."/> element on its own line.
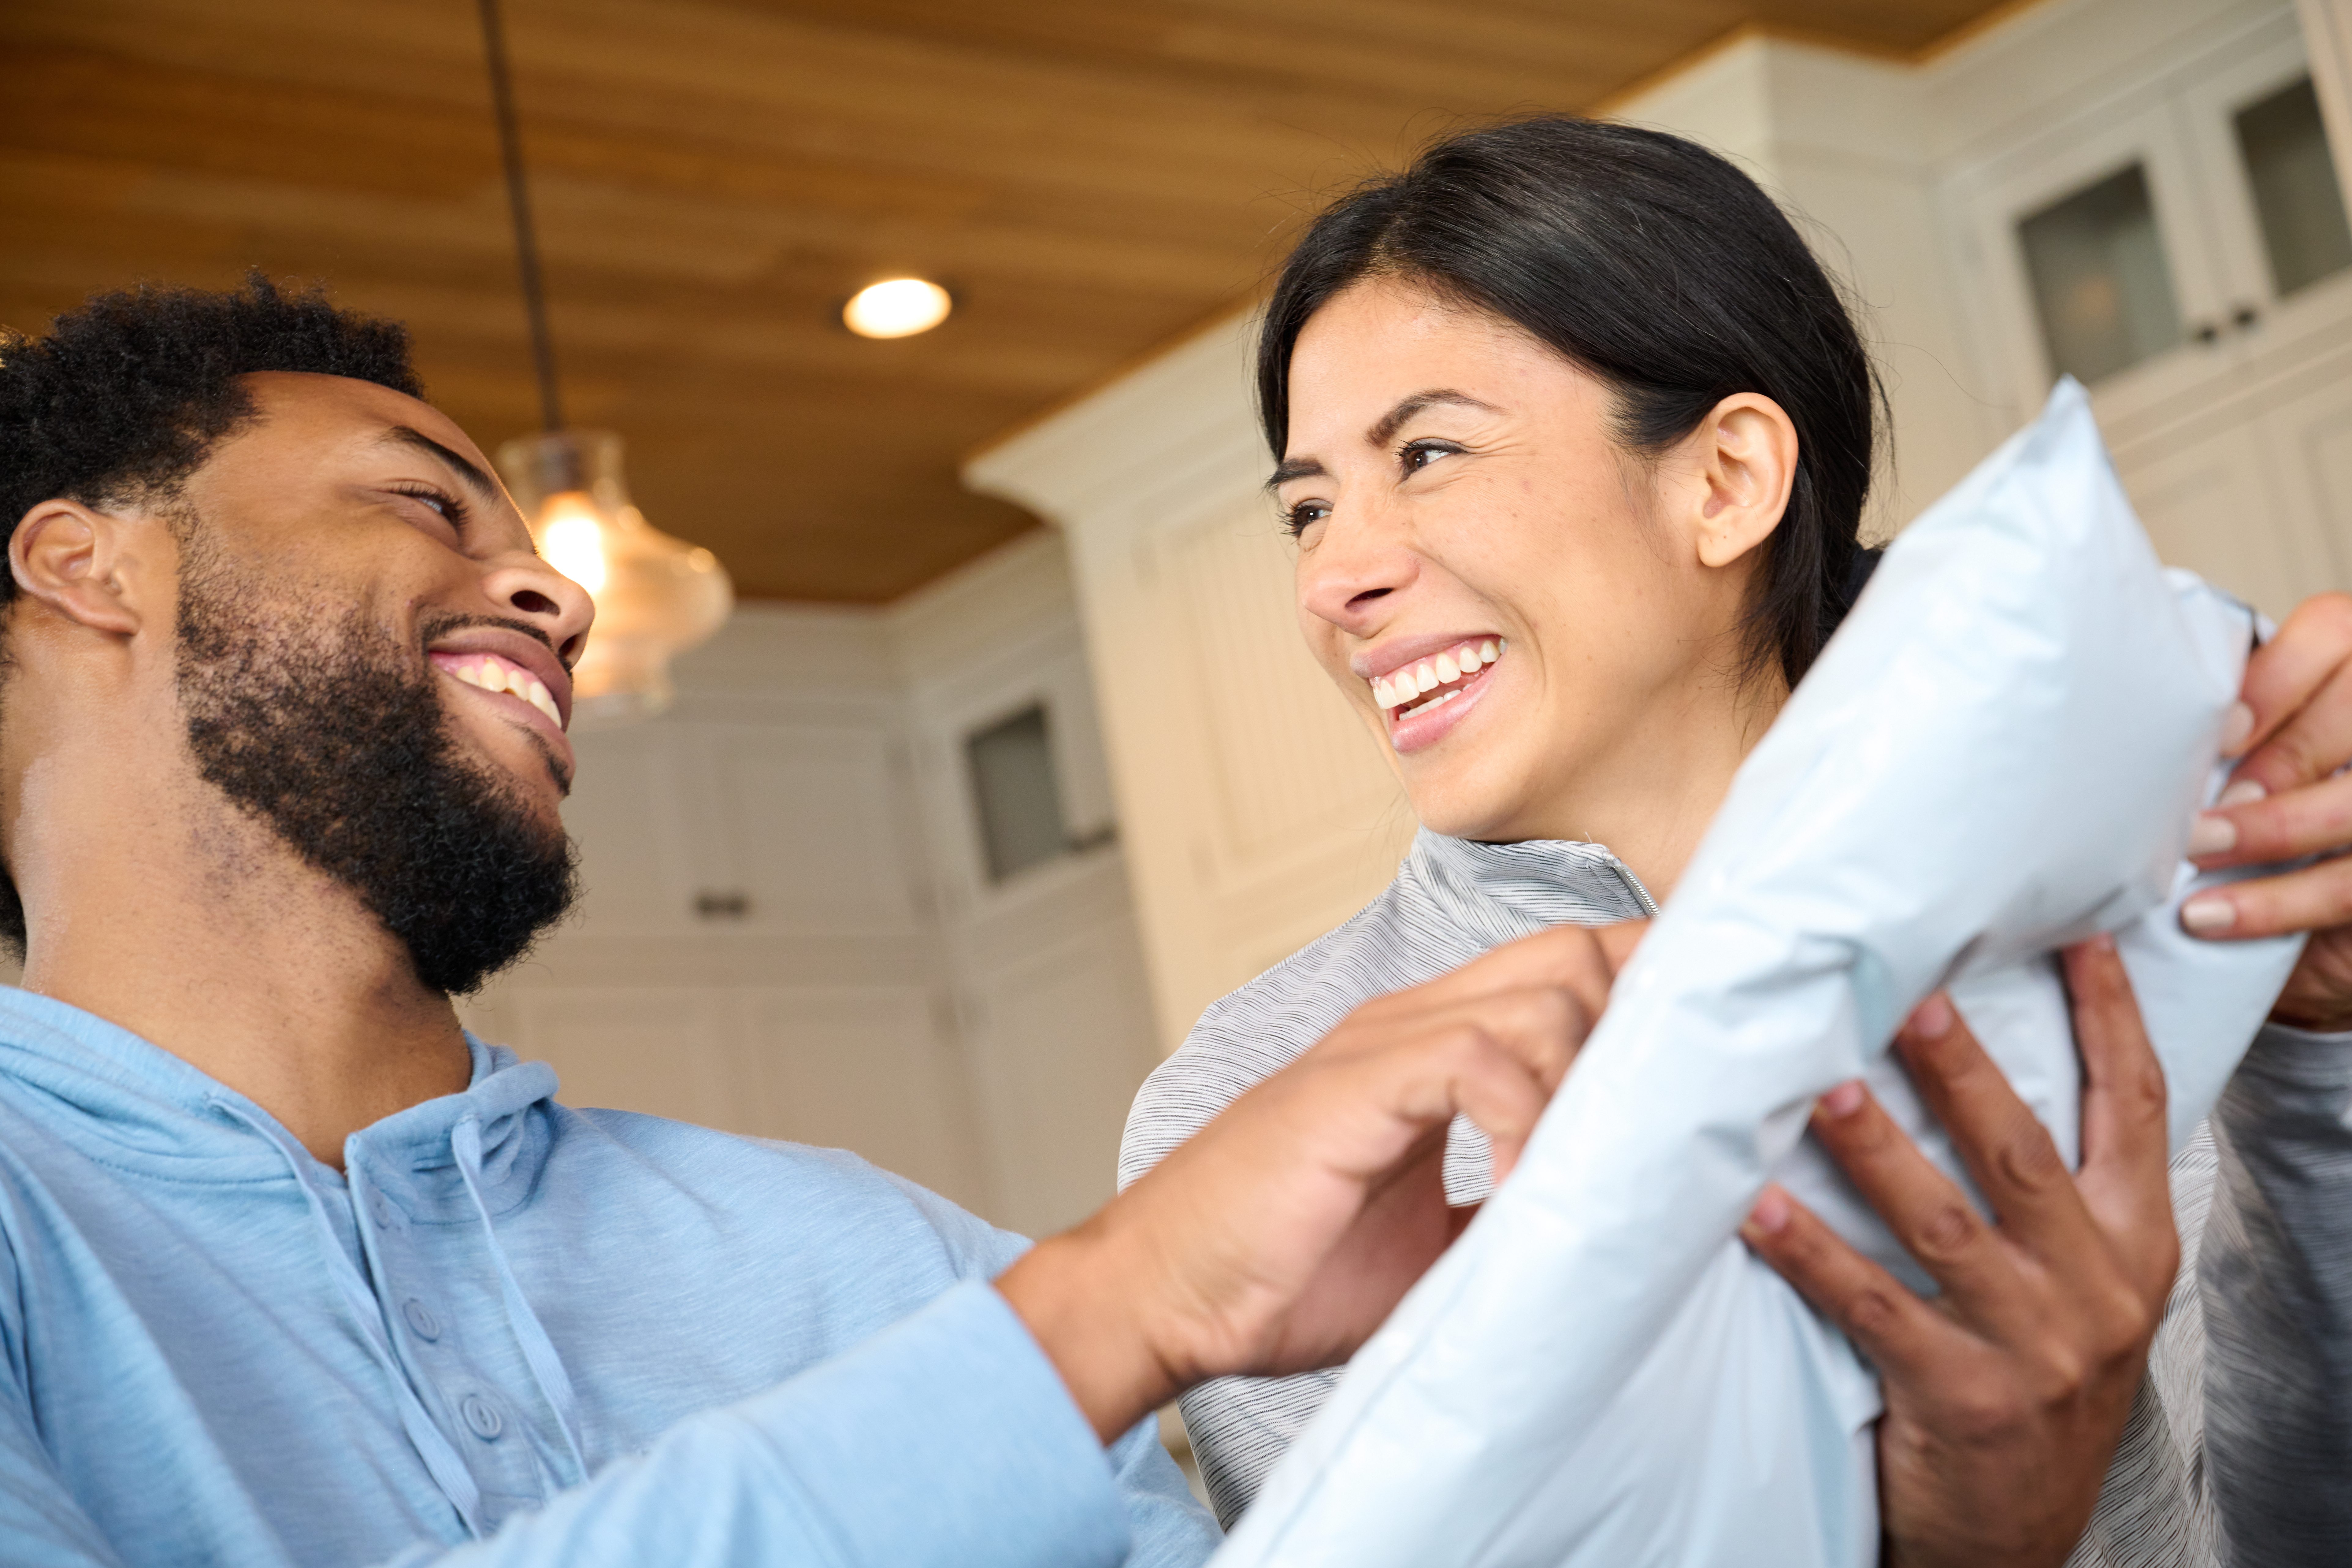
<point x="1393" y="420"/>
<point x="480" y="483"/>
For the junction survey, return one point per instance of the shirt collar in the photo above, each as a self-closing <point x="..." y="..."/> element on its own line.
<point x="1542" y="881"/>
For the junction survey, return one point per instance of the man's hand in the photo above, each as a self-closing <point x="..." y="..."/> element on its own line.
<point x="1280" y="1236"/>
<point x="2006" y="1396"/>
<point x="2286" y="802"/>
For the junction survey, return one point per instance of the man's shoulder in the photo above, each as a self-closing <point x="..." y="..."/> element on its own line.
<point x="750" y="1187"/>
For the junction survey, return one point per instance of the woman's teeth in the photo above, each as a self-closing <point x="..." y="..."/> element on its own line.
<point x="493" y="674"/>
<point x="1413" y="683"/>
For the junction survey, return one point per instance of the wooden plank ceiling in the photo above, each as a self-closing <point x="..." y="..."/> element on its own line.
<point x="1090" y="177"/>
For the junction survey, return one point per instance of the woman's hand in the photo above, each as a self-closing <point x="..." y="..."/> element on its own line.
<point x="2004" y="1397"/>
<point x="1281" y="1235"/>
<point x="2285" y="801"/>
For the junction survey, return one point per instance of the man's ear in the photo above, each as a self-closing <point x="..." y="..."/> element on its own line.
<point x="1746" y="450"/>
<point x="82" y="564"/>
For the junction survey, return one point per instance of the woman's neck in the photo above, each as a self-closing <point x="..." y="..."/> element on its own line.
<point x="1648" y="798"/>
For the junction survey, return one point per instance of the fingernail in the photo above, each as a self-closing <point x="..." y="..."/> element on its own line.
<point x="1842" y="1100"/>
<point x="1771" y="1213"/>
<point x="2236" y="728"/>
<point x="2211" y="835"/>
<point x="2209" y="913"/>
<point x="2243" y="792"/>
<point x="1932" y="1019"/>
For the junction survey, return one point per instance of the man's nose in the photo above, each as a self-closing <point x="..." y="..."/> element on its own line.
<point x="535" y="592"/>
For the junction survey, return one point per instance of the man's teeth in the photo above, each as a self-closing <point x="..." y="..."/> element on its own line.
<point x="1401" y="686"/>
<point x="497" y="675"/>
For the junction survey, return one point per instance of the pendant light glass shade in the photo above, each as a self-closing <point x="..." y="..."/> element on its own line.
<point x="654" y="595"/>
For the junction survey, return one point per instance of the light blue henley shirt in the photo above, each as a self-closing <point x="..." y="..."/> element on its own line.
<point x="510" y="1333"/>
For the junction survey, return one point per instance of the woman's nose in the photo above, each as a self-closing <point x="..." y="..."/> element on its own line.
<point x="1352" y="568"/>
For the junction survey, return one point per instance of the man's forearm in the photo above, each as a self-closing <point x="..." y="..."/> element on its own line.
<point x="944" y="1439"/>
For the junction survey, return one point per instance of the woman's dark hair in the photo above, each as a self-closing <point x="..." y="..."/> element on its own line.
<point x="1653" y="264"/>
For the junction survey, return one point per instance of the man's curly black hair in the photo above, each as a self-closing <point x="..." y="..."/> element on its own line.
<point x="124" y="398"/>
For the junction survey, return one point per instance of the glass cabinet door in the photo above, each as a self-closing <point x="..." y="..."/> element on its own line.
<point x="2102" y="286"/>
<point x="2276" y="208"/>
<point x="2282" y="149"/>
<point x="2092" y="262"/>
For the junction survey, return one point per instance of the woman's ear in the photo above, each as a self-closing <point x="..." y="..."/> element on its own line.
<point x="1747" y="453"/>
<point x="81" y="563"/>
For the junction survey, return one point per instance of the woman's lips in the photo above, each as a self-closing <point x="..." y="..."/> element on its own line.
<point x="1424" y="726"/>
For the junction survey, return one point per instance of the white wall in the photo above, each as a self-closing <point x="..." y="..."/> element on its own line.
<point x="1258" y="815"/>
<point x="876" y="992"/>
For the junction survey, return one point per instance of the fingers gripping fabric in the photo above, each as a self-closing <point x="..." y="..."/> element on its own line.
<point x="1998" y="753"/>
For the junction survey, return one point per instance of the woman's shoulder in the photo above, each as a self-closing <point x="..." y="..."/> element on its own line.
<point x="1253" y="1032"/>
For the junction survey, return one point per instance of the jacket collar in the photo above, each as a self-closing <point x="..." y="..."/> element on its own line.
<point x="1535" y="883"/>
<point x="127" y="1100"/>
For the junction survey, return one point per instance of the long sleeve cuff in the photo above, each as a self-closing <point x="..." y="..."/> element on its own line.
<point x="963" y="1447"/>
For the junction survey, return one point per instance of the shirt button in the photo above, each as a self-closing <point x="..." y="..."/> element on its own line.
<point x="385" y="1215"/>
<point x="481" y="1415"/>
<point x="420" y="1317"/>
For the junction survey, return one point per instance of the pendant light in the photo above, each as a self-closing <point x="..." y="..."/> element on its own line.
<point x="654" y="595"/>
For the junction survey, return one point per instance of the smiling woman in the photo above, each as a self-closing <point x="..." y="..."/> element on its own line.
<point x="1573" y="435"/>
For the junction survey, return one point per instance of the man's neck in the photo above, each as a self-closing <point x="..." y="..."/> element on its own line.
<point x="171" y="913"/>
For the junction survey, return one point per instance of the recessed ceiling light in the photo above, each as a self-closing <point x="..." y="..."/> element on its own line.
<point x="899" y="308"/>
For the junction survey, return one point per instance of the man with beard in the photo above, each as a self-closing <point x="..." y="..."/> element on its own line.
<point x="297" y="1273"/>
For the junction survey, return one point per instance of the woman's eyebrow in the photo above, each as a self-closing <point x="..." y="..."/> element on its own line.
<point x="1387" y="426"/>
<point x="1393" y="420"/>
<point x="1291" y="468"/>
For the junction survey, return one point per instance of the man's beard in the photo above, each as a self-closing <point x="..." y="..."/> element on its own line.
<point x="338" y="742"/>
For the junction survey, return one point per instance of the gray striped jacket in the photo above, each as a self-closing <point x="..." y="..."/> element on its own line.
<point x="2239" y="1446"/>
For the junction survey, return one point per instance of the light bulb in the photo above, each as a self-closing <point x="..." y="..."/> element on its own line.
<point x="571" y="535"/>
<point x="654" y="595"/>
<point x="898" y="308"/>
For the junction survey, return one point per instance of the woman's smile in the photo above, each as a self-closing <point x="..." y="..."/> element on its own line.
<point x="1423" y="696"/>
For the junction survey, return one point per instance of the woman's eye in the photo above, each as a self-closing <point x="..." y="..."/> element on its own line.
<point x="1419" y="454"/>
<point x="1304" y="515"/>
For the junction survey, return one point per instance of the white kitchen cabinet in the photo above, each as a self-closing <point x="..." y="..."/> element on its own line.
<point x="2213" y="334"/>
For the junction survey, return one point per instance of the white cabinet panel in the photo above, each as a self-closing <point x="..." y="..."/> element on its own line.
<point x="809" y="824"/>
<point x="867" y="1070"/>
<point x="2307" y="433"/>
<point x="664" y="1050"/>
<point x="2207" y="506"/>
<point x="1064" y="1041"/>
<point x="1288" y="758"/>
<point x="624" y="814"/>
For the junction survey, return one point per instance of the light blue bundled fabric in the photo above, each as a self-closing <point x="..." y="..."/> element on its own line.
<point x="513" y="1335"/>
<point x="1999" y="752"/>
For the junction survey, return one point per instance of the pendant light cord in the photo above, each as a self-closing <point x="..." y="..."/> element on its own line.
<point x="534" y="291"/>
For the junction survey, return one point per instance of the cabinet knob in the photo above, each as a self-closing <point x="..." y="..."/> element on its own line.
<point x="2245" y="316"/>
<point x="2207" y="333"/>
<point x="733" y="904"/>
